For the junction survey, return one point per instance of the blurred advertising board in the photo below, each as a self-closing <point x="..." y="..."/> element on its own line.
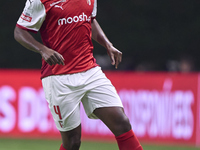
<point x="162" y="107"/>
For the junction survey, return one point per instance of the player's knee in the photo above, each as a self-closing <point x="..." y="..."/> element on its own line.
<point x="125" y="124"/>
<point x="122" y="125"/>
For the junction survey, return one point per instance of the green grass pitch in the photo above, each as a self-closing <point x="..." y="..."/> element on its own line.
<point x="41" y="144"/>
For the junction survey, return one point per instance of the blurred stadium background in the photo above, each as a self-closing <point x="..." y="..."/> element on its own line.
<point x="161" y="48"/>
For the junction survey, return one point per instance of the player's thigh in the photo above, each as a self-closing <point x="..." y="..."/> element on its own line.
<point x="99" y="97"/>
<point x="104" y="103"/>
<point x="114" y="118"/>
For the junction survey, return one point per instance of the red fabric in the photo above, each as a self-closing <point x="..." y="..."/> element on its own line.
<point x="67" y="30"/>
<point x="61" y="147"/>
<point x="128" y="141"/>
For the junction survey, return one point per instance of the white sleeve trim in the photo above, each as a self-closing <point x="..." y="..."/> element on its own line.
<point x="33" y="15"/>
<point x="94" y="12"/>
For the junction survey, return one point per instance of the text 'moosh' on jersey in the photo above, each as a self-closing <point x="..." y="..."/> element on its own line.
<point x="65" y="26"/>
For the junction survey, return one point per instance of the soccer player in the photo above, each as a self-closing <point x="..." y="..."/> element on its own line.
<point x="69" y="71"/>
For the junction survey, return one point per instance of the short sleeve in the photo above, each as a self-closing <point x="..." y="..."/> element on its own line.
<point x="94" y="12"/>
<point x="32" y="16"/>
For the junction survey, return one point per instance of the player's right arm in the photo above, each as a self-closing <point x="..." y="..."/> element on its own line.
<point x="31" y="19"/>
<point x="27" y="40"/>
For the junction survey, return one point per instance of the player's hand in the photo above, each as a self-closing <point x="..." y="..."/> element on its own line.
<point x="115" y="56"/>
<point x="52" y="57"/>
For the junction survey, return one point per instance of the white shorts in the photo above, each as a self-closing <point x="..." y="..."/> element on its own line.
<point x="64" y="93"/>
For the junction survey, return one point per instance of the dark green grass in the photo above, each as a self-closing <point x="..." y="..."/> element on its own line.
<point x="33" y="144"/>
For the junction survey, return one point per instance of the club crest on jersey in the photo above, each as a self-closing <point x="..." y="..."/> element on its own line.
<point x="89" y="2"/>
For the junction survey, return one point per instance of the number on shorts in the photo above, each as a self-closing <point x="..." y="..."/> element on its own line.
<point x="57" y="111"/>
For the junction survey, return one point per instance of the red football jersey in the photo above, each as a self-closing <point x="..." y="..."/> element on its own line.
<point x="65" y="26"/>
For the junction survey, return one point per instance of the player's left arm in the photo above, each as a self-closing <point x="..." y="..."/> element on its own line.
<point x="99" y="36"/>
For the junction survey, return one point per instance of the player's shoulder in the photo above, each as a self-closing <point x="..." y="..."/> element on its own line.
<point x="32" y="3"/>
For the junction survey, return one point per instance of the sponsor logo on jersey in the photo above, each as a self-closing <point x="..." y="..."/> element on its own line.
<point x="26" y="17"/>
<point x="75" y="19"/>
